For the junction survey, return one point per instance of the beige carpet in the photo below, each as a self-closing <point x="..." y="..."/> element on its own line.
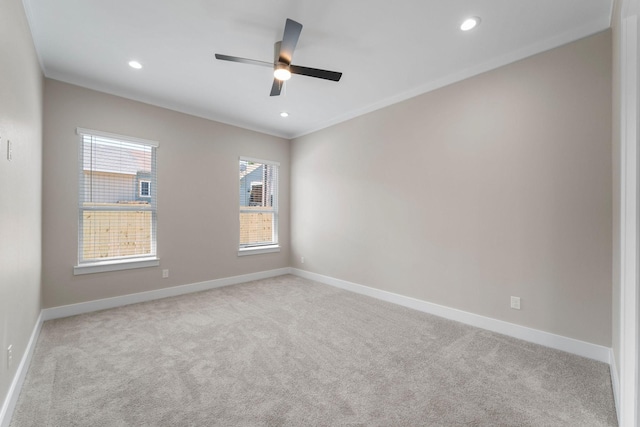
<point x="287" y="351"/>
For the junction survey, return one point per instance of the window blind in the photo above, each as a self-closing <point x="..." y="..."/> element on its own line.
<point x="258" y="202"/>
<point x="117" y="198"/>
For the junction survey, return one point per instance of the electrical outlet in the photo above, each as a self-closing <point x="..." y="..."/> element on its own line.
<point x="165" y="273"/>
<point x="302" y="260"/>
<point x="515" y="303"/>
<point x="9" y="356"/>
<point x="9" y="151"/>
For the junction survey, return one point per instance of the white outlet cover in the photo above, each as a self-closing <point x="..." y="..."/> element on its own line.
<point x="515" y="303"/>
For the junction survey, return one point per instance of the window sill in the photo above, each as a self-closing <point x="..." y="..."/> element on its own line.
<point x="256" y="250"/>
<point x="100" y="267"/>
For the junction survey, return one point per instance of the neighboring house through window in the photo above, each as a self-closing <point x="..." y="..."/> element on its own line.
<point x="258" y="206"/>
<point x="117" y="202"/>
<point x="145" y="188"/>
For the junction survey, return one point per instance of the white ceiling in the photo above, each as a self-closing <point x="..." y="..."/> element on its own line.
<point x="387" y="50"/>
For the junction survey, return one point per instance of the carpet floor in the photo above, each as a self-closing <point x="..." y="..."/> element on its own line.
<point x="291" y="352"/>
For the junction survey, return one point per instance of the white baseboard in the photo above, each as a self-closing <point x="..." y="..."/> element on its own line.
<point x="570" y="345"/>
<point x="615" y="381"/>
<point x="103" y="304"/>
<point x="547" y="339"/>
<point x="9" y="404"/>
<point x="16" y="385"/>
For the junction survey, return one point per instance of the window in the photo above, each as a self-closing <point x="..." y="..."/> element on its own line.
<point x="145" y="189"/>
<point x="117" y="201"/>
<point x="258" y="206"/>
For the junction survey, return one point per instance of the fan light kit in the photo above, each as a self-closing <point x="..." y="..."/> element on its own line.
<point x="282" y="66"/>
<point x="470" y="23"/>
<point x="281" y="72"/>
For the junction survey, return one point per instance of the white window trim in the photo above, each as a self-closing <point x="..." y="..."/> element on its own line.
<point x="121" y="263"/>
<point x="115" y="265"/>
<point x="255" y="160"/>
<point x="257" y="250"/>
<point x="275" y="246"/>
<point x="127" y="138"/>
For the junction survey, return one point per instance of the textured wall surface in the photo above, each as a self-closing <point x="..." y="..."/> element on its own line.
<point x="495" y="186"/>
<point x="20" y="187"/>
<point x="198" y="221"/>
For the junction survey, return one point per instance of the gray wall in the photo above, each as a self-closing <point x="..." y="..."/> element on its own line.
<point x="197" y="194"/>
<point x="495" y="186"/>
<point x="20" y="187"/>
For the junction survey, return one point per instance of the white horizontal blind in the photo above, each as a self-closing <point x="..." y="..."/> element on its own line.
<point x="117" y="198"/>
<point x="258" y="202"/>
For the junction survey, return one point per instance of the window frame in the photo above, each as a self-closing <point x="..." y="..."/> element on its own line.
<point x="274" y="245"/>
<point x="148" y="182"/>
<point x="125" y="262"/>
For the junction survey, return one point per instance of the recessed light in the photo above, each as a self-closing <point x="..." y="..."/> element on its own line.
<point x="470" y="23"/>
<point x="284" y="114"/>
<point x="135" y="64"/>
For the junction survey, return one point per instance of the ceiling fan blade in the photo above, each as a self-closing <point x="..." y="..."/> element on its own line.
<point x="276" y="88"/>
<point x="290" y="38"/>
<point x="315" y="72"/>
<point x="243" y="60"/>
<point x="276" y="52"/>
<point x="283" y="54"/>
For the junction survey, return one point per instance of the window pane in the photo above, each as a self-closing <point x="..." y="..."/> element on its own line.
<point x="256" y="228"/>
<point x="114" y="234"/>
<point x="144" y="189"/>
<point x="258" y="203"/>
<point x="117" y="198"/>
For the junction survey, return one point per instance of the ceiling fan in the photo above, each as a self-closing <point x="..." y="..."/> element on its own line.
<point x="282" y="66"/>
